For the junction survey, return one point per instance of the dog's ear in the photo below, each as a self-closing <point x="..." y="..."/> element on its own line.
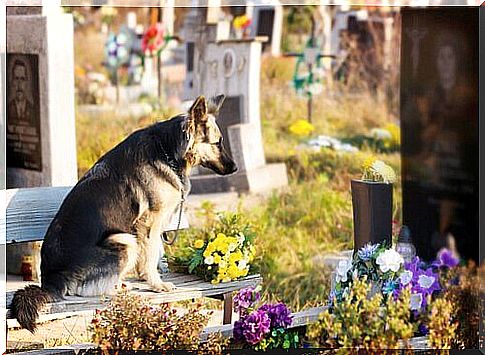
<point x="214" y="103"/>
<point x="198" y="111"/>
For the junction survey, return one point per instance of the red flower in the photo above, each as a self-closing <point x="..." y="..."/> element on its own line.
<point x="153" y="38"/>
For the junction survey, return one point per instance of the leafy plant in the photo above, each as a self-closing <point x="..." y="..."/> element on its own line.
<point x="130" y="322"/>
<point x="362" y="322"/>
<point x="442" y="326"/>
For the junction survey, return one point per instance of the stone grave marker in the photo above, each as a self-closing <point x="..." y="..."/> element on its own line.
<point x="267" y="21"/>
<point x="40" y="129"/>
<point x="232" y="67"/>
<point x="439" y="123"/>
<point x="40" y="125"/>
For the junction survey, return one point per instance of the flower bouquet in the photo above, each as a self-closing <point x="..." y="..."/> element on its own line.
<point x="225" y="251"/>
<point x="390" y="275"/>
<point x="262" y="326"/>
<point x="241" y="24"/>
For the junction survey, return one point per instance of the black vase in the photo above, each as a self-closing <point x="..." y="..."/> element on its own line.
<point x="372" y="207"/>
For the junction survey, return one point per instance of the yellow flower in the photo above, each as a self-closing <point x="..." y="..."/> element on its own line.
<point x="217" y="258"/>
<point x="233" y="272"/>
<point x="240" y="21"/>
<point x="367" y="164"/>
<point x="301" y="128"/>
<point x="236" y="256"/>
<point x="199" y="243"/>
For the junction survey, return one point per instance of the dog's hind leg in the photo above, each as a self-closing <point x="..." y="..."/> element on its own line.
<point x="109" y="263"/>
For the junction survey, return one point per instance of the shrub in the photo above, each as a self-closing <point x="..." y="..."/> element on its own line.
<point x="130" y="322"/>
<point x="442" y="327"/>
<point x="465" y="297"/>
<point x="364" y="323"/>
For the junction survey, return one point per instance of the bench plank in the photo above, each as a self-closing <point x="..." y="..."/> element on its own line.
<point x="187" y="287"/>
<point x="31" y="210"/>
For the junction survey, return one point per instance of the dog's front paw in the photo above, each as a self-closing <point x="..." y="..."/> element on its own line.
<point x="163" y="286"/>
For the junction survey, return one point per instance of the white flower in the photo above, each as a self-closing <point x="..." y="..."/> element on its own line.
<point x="315" y="89"/>
<point x="240" y="238"/>
<point x="415" y="301"/>
<point x="242" y="264"/>
<point x="381" y="133"/>
<point x="406" y="277"/>
<point x="342" y="269"/>
<point x="425" y="281"/>
<point x="222" y="264"/>
<point x="209" y="260"/>
<point x="389" y="260"/>
<point x="232" y="247"/>
<point x="383" y="170"/>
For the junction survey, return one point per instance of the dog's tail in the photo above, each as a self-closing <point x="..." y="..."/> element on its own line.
<point x="26" y="304"/>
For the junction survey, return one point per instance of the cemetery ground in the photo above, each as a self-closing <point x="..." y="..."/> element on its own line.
<point x="313" y="215"/>
<point x="296" y="226"/>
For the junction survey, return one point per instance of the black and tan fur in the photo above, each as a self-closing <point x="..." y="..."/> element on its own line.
<point x="110" y="222"/>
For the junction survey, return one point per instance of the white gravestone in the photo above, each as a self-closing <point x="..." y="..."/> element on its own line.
<point x="232" y="67"/>
<point x="267" y="20"/>
<point x="40" y="132"/>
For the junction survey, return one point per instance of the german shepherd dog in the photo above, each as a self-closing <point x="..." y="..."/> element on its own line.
<point x="111" y="221"/>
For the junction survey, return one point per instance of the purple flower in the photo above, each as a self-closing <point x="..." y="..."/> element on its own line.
<point x="238" y="331"/>
<point x="367" y="251"/>
<point x="245" y="298"/>
<point x="426" y="281"/>
<point x="279" y="314"/>
<point x="446" y="259"/>
<point x="252" y="328"/>
<point x="423" y="329"/>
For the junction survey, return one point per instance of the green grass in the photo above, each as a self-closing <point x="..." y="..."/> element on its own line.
<point x="313" y="215"/>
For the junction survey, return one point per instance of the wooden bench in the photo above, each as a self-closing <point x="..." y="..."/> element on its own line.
<point x="29" y="213"/>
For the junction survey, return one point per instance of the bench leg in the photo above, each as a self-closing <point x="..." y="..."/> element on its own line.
<point x="227" y="315"/>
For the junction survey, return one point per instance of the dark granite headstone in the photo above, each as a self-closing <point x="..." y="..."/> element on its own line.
<point x="23" y="113"/>
<point x="230" y="114"/>
<point x="265" y="25"/>
<point x="439" y="122"/>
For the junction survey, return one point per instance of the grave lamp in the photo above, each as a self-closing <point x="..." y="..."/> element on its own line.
<point x="405" y="245"/>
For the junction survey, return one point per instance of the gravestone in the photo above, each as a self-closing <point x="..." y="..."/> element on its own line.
<point x="439" y="122"/>
<point x="232" y="67"/>
<point x="40" y="125"/>
<point x="40" y="130"/>
<point x="267" y="21"/>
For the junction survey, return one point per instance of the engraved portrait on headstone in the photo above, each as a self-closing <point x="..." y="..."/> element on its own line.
<point x="439" y="122"/>
<point x="229" y="62"/>
<point x="23" y="114"/>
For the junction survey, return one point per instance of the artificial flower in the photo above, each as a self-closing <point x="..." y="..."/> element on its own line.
<point x="406" y="277"/>
<point x="153" y="38"/>
<point x="367" y="251"/>
<point x="389" y="260"/>
<point x="342" y="270"/>
<point x="446" y="259"/>
<point x="416" y="301"/>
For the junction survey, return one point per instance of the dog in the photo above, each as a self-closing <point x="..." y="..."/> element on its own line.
<point x="111" y="221"/>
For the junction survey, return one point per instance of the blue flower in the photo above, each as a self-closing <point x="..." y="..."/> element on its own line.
<point x="389" y="287"/>
<point x="367" y="251"/>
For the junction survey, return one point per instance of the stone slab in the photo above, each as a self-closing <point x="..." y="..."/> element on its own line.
<point x="262" y="179"/>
